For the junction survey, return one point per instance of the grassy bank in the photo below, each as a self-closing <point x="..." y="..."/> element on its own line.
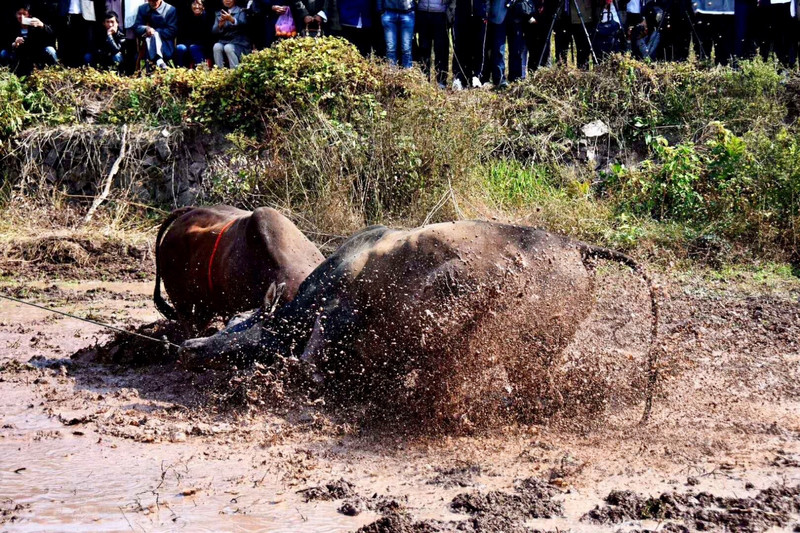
<point x="698" y="163"/>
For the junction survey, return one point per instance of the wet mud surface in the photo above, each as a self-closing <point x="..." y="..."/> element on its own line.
<point x="105" y="435"/>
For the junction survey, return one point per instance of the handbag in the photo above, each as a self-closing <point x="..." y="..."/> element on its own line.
<point x="313" y="30"/>
<point x="284" y="26"/>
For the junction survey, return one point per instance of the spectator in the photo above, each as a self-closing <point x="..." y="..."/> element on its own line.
<point x="537" y="33"/>
<point x="267" y="14"/>
<point x="744" y="46"/>
<point x="75" y="31"/>
<point x="646" y="36"/>
<point x="469" y="42"/>
<point x="675" y="30"/>
<point x="432" y="21"/>
<point x="157" y="23"/>
<point x="575" y="24"/>
<point x="775" y="29"/>
<point x="352" y="20"/>
<point x="715" y="29"/>
<point x="505" y="24"/>
<point x="230" y="32"/>
<point x="194" y="36"/>
<point x="31" y="45"/>
<point x="309" y="14"/>
<point x="111" y="46"/>
<point x="397" y="18"/>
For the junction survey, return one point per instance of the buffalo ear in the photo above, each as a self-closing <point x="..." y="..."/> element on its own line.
<point x="273" y="296"/>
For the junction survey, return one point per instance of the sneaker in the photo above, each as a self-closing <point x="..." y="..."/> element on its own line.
<point x="457" y="85"/>
<point x="476" y="82"/>
<point x="161" y="64"/>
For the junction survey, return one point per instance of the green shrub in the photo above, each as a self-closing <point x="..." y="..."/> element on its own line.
<point x="13" y="114"/>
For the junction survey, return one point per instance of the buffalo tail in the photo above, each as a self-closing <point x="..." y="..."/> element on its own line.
<point x="590" y="252"/>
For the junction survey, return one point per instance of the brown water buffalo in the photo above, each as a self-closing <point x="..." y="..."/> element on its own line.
<point x="443" y="319"/>
<point x="217" y="261"/>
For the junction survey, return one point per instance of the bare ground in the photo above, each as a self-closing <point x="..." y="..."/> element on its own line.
<point x="121" y="438"/>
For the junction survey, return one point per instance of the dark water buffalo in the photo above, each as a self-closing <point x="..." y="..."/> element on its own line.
<point x="217" y="261"/>
<point x="437" y="319"/>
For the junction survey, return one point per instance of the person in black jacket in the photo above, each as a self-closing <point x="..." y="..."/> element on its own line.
<point x="31" y="45"/>
<point x="266" y="14"/>
<point x="309" y="14"/>
<point x="194" y="36"/>
<point x="111" y="45"/>
<point x="469" y="43"/>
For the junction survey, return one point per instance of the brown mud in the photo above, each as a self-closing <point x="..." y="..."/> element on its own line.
<point x="121" y="437"/>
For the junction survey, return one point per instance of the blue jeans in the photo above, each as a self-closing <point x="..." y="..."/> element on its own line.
<point x="195" y="53"/>
<point x="402" y="24"/>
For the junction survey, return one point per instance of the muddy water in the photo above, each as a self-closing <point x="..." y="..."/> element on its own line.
<point x="132" y="462"/>
<point x="76" y="480"/>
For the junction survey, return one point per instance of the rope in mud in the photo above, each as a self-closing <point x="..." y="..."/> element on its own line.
<point x="160" y="341"/>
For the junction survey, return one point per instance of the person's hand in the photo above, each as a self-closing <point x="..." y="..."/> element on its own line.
<point x="307" y="19"/>
<point x="148" y="31"/>
<point x="280" y="9"/>
<point x="36" y="23"/>
<point x="317" y="19"/>
<point x="18" y="42"/>
<point x="225" y="16"/>
<point x="110" y="31"/>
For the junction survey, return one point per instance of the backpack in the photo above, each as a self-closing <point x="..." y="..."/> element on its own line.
<point x="521" y="9"/>
<point x="607" y="35"/>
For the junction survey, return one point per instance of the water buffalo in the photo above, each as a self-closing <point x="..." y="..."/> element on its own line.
<point x="438" y="319"/>
<point x="217" y="261"/>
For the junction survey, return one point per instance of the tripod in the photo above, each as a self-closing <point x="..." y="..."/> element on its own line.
<point x="558" y="12"/>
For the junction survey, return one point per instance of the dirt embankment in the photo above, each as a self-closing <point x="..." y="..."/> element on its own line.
<point x="123" y="437"/>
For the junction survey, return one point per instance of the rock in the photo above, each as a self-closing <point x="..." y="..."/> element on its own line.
<point x="596" y="128"/>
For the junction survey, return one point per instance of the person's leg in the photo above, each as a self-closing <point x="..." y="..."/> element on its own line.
<point x="563" y="38"/>
<point x="441" y="48"/>
<point x="391" y="23"/>
<point x="182" y="56"/>
<point x="703" y="42"/>
<point x="219" y="57"/>
<point x="461" y="42"/>
<point x="682" y="31"/>
<point x="516" y="50"/>
<point x="782" y="24"/>
<point x="406" y="37"/>
<point x="50" y="57"/>
<point x="424" y="27"/>
<point x="724" y="33"/>
<point x="197" y="53"/>
<point x="478" y="49"/>
<point x="744" y="45"/>
<point x="154" y="47"/>
<point x="498" y="58"/>
<point x="582" y="46"/>
<point x="232" y="53"/>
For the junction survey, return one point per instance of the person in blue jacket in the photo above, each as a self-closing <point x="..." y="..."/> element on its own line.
<point x="716" y="29"/>
<point x="397" y="19"/>
<point x="504" y="25"/>
<point x="157" y="23"/>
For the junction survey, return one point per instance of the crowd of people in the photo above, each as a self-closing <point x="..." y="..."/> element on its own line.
<point x="487" y="36"/>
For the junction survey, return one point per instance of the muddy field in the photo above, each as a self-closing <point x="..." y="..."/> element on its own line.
<point x="98" y="436"/>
